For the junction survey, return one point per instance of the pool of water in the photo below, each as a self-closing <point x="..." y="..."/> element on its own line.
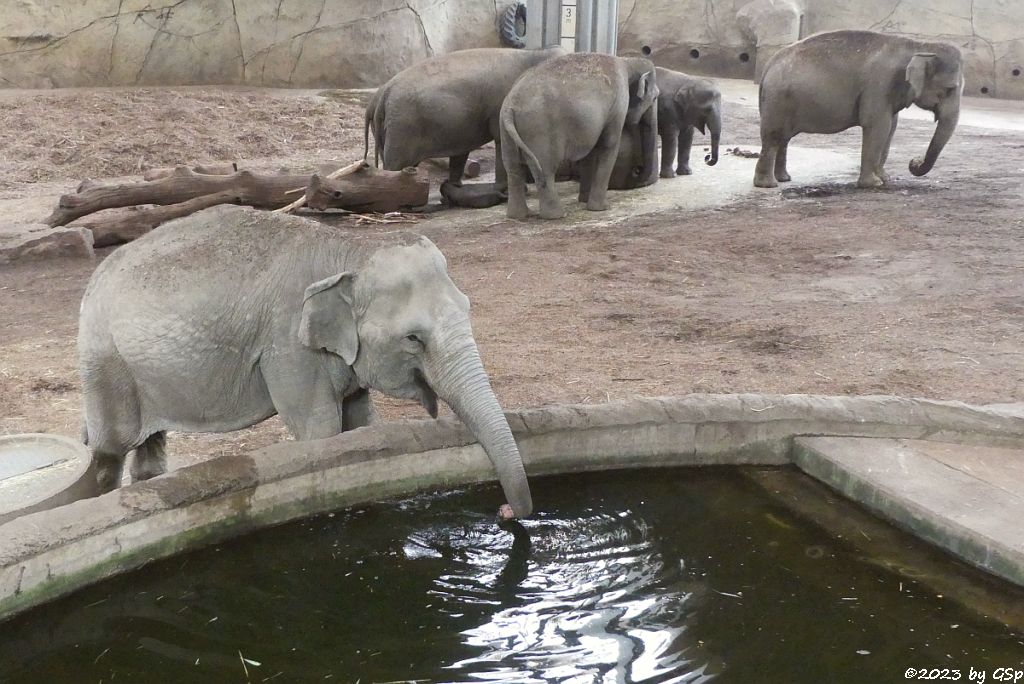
<point x="648" y="576"/>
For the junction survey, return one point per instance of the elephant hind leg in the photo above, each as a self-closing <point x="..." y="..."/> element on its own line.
<point x="511" y="160"/>
<point x="456" y="168"/>
<point x="764" y="172"/>
<point x="781" y="155"/>
<point x="150" y="458"/>
<point x="604" y="155"/>
<point x="112" y="418"/>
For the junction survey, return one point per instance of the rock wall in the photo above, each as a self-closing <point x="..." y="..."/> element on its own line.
<point x="735" y="37"/>
<point x="300" y="43"/>
<point x="353" y="43"/>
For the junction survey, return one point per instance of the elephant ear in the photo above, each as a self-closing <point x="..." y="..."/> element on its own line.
<point x="643" y="84"/>
<point x="327" y="319"/>
<point x="918" y="70"/>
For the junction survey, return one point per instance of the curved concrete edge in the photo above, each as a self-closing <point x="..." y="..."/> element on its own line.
<point x="74" y="481"/>
<point x="51" y="553"/>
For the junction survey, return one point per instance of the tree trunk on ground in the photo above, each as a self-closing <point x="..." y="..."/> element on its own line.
<point x="124" y="225"/>
<point x="370" y="190"/>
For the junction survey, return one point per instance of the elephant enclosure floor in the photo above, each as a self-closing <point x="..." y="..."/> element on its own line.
<point x="916" y="289"/>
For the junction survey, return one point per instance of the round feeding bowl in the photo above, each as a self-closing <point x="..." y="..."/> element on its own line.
<point x="39" y="471"/>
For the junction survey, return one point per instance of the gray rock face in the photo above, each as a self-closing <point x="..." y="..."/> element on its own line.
<point x="40" y="241"/>
<point x="735" y="38"/>
<point x="301" y="43"/>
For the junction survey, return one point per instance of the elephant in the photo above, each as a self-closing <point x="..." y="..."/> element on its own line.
<point x="573" y="108"/>
<point x="221" y="319"/>
<point x="446" y="106"/>
<point x="686" y="103"/>
<point x="833" y="81"/>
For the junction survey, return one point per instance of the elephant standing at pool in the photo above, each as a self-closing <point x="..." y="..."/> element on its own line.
<point x="685" y="103"/>
<point x="229" y="316"/>
<point x="833" y="81"/>
<point x="572" y="108"/>
<point x="446" y="106"/>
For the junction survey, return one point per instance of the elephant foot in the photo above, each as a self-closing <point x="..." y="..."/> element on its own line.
<point x="871" y="181"/>
<point x="684" y="171"/>
<point x="886" y="178"/>
<point x="597" y="205"/>
<point x="552" y="213"/>
<point x="763" y="182"/>
<point x="783" y="177"/>
<point x="516" y="212"/>
<point x="583" y="198"/>
<point x="667" y="173"/>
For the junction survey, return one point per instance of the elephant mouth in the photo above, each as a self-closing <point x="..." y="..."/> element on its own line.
<point x="427" y="397"/>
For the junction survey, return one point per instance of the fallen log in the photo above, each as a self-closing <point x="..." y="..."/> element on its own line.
<point x="124" y="225"/>
<point x="261" y="191"/>
<point x="378" y="192"/>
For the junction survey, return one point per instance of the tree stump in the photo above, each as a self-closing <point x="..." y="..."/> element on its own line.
<point x="124" y="225"/>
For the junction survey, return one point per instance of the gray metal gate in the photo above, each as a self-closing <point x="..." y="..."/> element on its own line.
<point x="576" y="25"/>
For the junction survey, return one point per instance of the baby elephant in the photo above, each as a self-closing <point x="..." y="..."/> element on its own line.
<point x="840" y="79"/>
<point x="229" y="316"/>
<point x="571" y="108"/>
<point x="685" y="103"/>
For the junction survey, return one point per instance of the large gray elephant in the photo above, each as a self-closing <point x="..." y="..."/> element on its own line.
<point x="572" y="108"/>
<point x="446" y="106"/>
<point x="686" y="103"/>
<point x="833" y="81"/>
<point x="229" y="316"/>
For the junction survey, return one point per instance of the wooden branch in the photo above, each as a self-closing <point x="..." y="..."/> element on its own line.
<point x="369" y="190"/>
<point x="344" y="171"/>
<point x="366" y="190"/>
<point x="124" y="225"/>
<point x="215" y="169"/>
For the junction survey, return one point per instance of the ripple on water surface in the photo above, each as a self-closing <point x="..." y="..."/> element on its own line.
<point x="658" y="576"/>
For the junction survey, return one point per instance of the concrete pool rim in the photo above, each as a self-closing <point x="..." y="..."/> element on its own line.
<point x="48" y="554"/>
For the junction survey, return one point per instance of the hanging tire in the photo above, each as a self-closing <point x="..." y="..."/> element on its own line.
<point x="512" y="28"/>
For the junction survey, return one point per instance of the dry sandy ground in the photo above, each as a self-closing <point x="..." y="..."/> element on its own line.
<point x="915" y="290"/>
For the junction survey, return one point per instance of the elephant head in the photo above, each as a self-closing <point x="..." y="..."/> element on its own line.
<point x="403" y="326"/>
<point x="637" y="163"/>
<point x="701" y="108"/>
<point x="934" y="82"/>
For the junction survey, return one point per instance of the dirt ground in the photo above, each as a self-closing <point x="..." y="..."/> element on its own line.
<point x="915" y="289"/>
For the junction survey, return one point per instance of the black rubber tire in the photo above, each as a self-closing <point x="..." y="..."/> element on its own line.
<point x="512" y="19"/>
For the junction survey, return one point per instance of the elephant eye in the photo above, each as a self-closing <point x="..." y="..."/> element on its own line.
<point x="413" y="337"/>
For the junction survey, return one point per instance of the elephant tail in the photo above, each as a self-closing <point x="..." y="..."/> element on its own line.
<point x="367" y="118"/>
<point x="378" y="127"/>
<point x="508" y="124"/>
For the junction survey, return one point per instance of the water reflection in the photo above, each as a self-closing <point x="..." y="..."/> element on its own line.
<point x="588" y="599"/>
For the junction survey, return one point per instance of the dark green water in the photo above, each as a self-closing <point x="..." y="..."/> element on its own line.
<point x="656" y="576"/>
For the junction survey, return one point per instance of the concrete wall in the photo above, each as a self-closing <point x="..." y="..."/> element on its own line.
<point x="300" y="43"/>
<point x="734" y="37"/>
<point x="48" y="554"/>
<point x="352" y="43"/>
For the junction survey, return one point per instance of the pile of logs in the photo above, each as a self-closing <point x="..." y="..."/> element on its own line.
<point x="166" y="194"/>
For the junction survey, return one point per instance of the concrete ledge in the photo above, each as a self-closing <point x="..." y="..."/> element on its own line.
<point x="45" y="555"/>
<point x="969" y="505"/>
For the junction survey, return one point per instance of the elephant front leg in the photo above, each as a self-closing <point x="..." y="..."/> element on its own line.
<point x="885" y="152"/>
<point x="669" y="144"/>
<point x="456" y="168"/>
<point x="303" y="394"/>
<point x="683" y="158"/>
<point x="357" y="410"/>
<point x="876" y="139"/>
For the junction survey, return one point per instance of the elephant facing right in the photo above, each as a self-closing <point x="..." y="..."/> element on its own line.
<point x="833" y="81"/>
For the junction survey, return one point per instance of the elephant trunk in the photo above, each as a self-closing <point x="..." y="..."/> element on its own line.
<point x="715" y="127"/>
<point x="455" y="372"/>
<point x="948" y="117"/>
